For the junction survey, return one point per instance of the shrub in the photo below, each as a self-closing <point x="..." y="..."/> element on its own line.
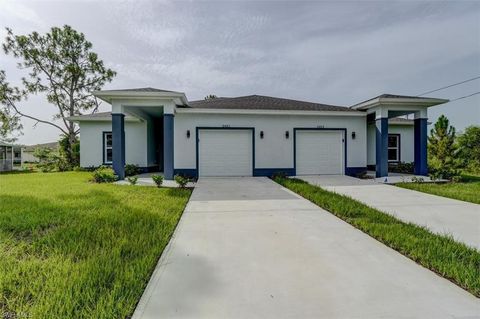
<point x="131" y="170"/>
<point x="51" y="161"/>
<point x="456" y="179"/>
<point x="132" y="180"/>
<point x="158" y="180"/>
<point x="104" y="175"/>
<point x="181" y="180"/>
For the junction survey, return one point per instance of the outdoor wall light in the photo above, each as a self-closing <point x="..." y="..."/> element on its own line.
<point x="188" y="133"/>
<point x="261" y="134"/>
<point x="353" y="135"/>
<point x="287" y="134"/>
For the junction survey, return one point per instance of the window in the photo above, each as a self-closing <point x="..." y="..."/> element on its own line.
<point x="107" y="148"/>
<point x="394" y="147"/>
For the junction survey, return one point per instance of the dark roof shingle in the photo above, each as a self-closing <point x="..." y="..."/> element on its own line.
<point x="259" y="102"/>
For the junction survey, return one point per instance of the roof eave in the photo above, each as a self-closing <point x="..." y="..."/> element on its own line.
<point x="109" y="95"/>
<point x="427" y="102"/>
<point x="269" y="112"/>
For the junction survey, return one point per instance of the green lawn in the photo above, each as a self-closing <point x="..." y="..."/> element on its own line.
<point x="73" y="249"/>
<point x="452" y="260"/>
<point x="468" y="190"/>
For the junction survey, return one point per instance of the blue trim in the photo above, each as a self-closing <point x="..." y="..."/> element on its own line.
<point x="118" y="145"/>
<point x="272" y="171"/>
<point x="198" y="128"/>
<point x="168" y="126"/>
<point x="420" y="147"/>
<point x="354" y="171"/>
<point x="381" y="147"/>
<point x="295" y="129"/>
<point x="190" y="172"/>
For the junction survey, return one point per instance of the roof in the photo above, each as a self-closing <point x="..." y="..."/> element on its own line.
<point x="395" y="98"/>
<point x="31" y="148"/>
<point x="99" y="116"/>
<point x="260" y="102"/>
<point x="178" y="98"/>
<point x="148" y="89"/>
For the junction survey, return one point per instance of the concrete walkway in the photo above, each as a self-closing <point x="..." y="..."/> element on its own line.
<point x="440" y="214"/>
<point x="248" y="248"/>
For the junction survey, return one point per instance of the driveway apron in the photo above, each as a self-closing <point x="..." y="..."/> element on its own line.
<point x="249" y="248"/>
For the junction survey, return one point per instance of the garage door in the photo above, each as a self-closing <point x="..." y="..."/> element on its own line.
<point x="225" y="153"/>
<point x="319" y="152"/>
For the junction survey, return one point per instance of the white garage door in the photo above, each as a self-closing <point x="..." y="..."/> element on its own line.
<point x="225" y="153"/>
<point x="319" y="152"/>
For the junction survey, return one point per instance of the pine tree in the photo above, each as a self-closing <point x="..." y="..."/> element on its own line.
<point x="442" y="150"/>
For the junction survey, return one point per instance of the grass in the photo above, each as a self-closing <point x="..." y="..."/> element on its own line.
<point x="468" y="190"/>
<point x="73" y="249"/>
<point x="441" y="254"/>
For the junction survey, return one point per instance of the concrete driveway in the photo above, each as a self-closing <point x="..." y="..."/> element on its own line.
<point x="248" y="248"/>
<point x="440" y="214"/>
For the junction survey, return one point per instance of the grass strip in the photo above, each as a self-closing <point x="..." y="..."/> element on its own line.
<point x="441" y="254"/>
<point x="468" y="190"/>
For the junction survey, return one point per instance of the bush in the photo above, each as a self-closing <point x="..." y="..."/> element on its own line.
<point x="132" y="180"/>
<point x="158" y="180"/>
<point x="181" y="180"/>
<point x="104" y="175"/>
<point x="131" y="170"/>
<point x="51" y="161"/>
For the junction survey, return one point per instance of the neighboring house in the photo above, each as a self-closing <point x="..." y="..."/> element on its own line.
<point x="28" y="153"/>
<point x="10" y="155"/>
<point x="252" y="135"/>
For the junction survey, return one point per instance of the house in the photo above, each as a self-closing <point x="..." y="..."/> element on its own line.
<point x="253" y="135"/>
<point x="28" y="152"/>
<point x="10" y="155"/>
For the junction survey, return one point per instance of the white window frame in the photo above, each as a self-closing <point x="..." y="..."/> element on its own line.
<point x="106" y="147"/>
<point x="397" y="148"/>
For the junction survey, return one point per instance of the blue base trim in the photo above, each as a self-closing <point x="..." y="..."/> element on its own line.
<point x="354" y="171"/>
<point x="189" y="172"/>
<point x="272" y="171"/>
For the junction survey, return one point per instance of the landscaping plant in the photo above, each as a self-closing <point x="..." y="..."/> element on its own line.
<point x="104" y="175"/>
<point x="131" y="170"/>
<point x="158" y="180"/>
<point x="442" y="150"/>
<point x="182" y="181"/>
<point x="132" y="180"/>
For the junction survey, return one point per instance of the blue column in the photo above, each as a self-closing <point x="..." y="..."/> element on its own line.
<point x="118" y="144"/>
<point x="381" y="147"/>
<point x="420" y="147"/>
<point x="168" y="146"/>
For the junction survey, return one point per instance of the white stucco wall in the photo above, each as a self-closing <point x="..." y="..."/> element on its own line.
<point x="91" y="143"/>
<point x="274" y="150"/>
<point x="406" y="142"/>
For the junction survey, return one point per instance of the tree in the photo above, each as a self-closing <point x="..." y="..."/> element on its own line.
<point x="210" y="97"/>
<point x="9" y="121"/>
<point x="62" y="66"/>
<point x="469" y="148"/>
<point x="442" y="150"/>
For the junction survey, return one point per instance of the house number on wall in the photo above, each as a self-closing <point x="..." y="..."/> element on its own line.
<point x="225" y="125"/>
<point x="320" y="126"/>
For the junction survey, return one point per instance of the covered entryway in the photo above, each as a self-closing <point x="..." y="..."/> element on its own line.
<point x="225" y="152"/>
<point x="319" y="152"/>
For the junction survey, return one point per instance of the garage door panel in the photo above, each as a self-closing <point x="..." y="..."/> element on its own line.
<point x="225" y="153"/>
<point x="319" y="152"/>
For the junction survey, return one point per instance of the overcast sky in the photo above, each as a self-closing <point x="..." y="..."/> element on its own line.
<point x="338" y="52"/>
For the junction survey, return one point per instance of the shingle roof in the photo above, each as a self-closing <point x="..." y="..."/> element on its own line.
<point x="259" y="102"/>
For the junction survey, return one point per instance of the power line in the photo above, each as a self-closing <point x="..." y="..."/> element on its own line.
<point x="464" y="97"/>
<point x="448" y="86"/>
